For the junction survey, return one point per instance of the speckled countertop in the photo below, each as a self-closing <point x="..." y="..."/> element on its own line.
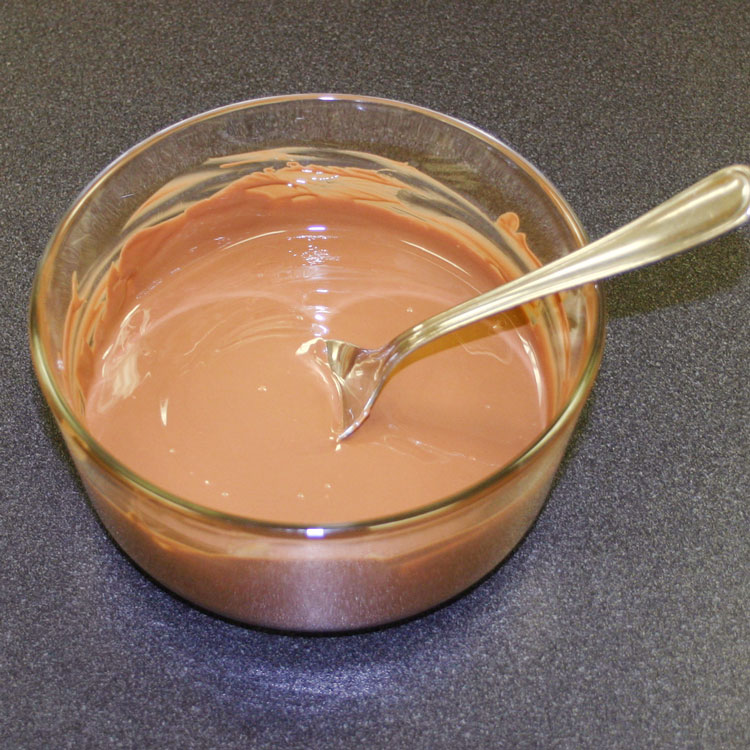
<point x="623" y="619"/>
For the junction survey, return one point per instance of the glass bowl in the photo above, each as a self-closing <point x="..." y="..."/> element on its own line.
<point x="316" y="577"/>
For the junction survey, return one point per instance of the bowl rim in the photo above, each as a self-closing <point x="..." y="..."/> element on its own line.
<point x="474" y="492"/>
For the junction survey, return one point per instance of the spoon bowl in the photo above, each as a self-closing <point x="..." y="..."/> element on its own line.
<point x="709" y="208"/>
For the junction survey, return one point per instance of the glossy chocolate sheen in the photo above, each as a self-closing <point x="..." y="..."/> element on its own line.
<point x="190" y="353"/>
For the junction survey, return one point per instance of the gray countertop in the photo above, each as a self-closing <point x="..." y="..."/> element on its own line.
<point x="623" y="619"/>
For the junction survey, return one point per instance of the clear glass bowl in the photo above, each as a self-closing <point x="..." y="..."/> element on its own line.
<point x="345" y="576"/>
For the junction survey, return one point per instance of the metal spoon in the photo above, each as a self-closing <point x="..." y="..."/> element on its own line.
<point x="708" y="209"/>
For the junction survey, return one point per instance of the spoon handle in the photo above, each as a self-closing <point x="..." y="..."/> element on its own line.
<point x="708" y="209"/>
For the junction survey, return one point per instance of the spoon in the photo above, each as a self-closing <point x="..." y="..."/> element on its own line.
<point x="702" y="212"/>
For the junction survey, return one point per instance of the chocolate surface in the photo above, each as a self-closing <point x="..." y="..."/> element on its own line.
<point x="201" y="375"/>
